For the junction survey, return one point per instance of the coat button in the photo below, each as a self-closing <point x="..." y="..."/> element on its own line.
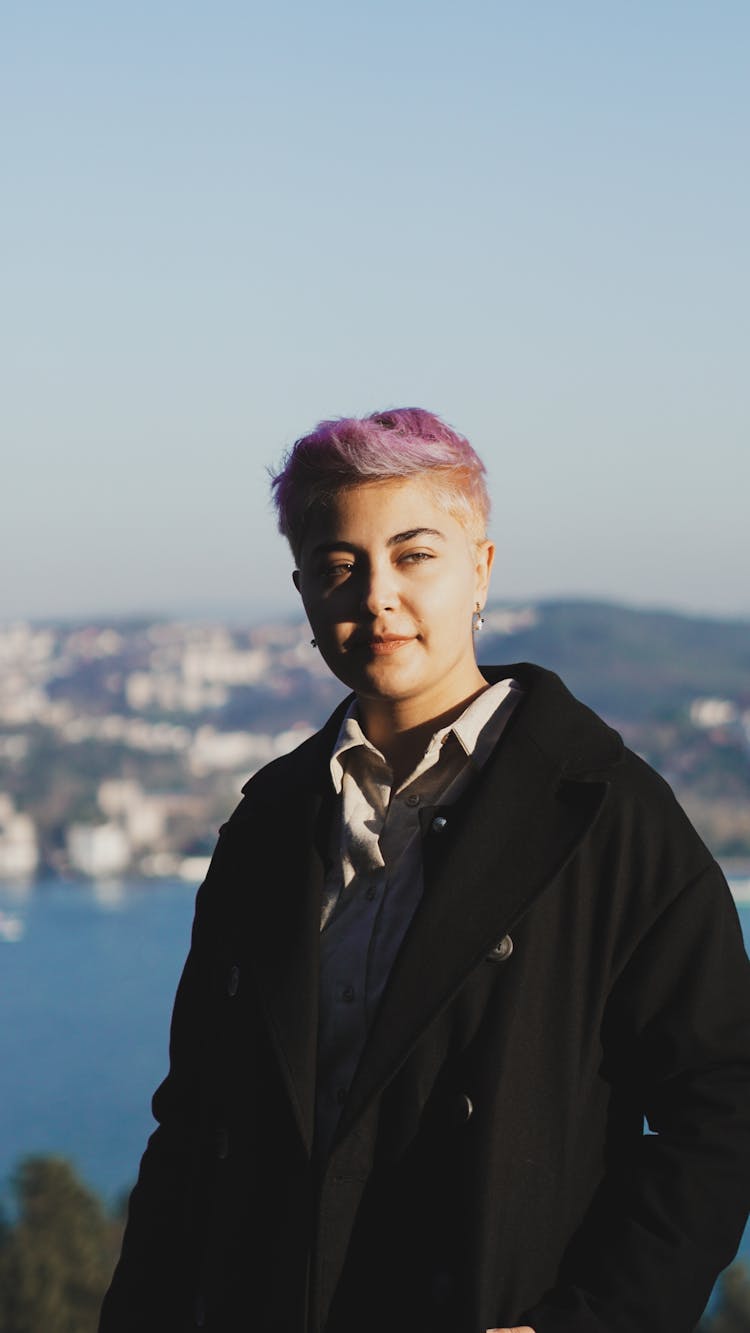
<point x="460" y="1109"/>
<point x="438" y="824"/>
<point x="502" y="950"/>
<point x="464" y="1108"/>
<point x="233" y="980"/>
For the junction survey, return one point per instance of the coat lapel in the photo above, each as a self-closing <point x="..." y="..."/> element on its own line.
<point x="501" y="845"/>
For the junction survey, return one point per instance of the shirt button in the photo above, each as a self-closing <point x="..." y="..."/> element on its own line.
<point x="413" y="800"/>
<point x="348" y="994"/>
<point x="341" y="1096"/>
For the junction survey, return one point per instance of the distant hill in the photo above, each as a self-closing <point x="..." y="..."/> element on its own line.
<point x="630" y="665"/>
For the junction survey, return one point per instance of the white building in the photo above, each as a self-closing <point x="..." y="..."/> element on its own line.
<point x="19" y="849"/>
<point x="709" y="713"/>
<point x="98" y="849"/>
<point x="142" y="815"/>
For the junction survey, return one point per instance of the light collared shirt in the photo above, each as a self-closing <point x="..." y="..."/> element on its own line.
<point x="374" y="882"/>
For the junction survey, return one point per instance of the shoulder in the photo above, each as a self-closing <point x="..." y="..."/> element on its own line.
<point x="569" y="733"/>
<point x="583" y="748"/>
<point x="257" y="832"/>
<point x="298" y="774"/>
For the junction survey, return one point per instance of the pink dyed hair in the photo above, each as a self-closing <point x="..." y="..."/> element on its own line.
<point x="403" y="442"/>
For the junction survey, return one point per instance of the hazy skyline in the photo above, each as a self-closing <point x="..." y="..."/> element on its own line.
<point x="220" y="226"/>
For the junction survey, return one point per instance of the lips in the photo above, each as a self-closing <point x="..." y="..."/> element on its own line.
<point x="382" y="645"/>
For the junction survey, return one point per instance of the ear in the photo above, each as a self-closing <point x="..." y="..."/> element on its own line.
<point x="295" y="579"/>
<point x="485" y="557"/>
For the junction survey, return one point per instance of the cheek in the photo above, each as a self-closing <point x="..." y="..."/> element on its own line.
<point x="321" y="610"/>
<point x="330" y="624"/>
<point x="448" y="600"/>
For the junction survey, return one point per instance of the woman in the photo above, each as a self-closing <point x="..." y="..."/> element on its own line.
<point x="448" y="955"/>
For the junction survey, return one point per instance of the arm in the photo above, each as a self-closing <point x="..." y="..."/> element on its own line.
<point x="150" y="1281"/>
<point x="676" y="1036"/>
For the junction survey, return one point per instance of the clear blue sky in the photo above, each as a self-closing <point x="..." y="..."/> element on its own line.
<point x="223" y="222"/>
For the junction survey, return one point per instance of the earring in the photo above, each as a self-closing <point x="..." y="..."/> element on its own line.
<point x="313" y="643"/>
<point x="477" y="619"/>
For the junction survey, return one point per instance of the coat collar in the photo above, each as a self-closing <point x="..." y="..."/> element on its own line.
<point x="501" y="845"/>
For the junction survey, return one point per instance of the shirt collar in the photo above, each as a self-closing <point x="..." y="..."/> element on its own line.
<point x="350" y="736"/>
<point x="479" y="726"/>
<point x="476" y="729"/>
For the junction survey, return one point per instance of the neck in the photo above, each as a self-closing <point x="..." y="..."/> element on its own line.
<point x="401" y="728"/>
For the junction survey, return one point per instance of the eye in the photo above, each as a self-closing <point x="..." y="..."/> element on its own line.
<point x="415" y="557"/>
<point x="333" y="572"/>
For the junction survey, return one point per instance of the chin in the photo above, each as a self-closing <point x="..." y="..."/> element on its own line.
<point x="388" y="684"/>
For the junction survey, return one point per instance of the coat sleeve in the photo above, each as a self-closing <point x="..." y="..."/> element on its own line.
<point x="151" y="1288"/>
<point x="664" y="1224"/>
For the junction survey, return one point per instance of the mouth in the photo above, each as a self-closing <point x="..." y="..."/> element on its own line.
<point x="382" y="645"/>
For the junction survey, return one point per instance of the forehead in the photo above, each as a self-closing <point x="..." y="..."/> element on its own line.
<point x="380" y="508"/>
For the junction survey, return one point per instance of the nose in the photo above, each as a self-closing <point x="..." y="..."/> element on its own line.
<point x="379" y="593"/>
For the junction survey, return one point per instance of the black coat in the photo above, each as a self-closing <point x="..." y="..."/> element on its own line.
<point x="575" y="964"/>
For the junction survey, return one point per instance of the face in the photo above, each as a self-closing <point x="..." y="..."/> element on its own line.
<point x="389" y="582"/>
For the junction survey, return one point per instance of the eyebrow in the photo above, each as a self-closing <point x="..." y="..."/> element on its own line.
<point x="396" y="540"/>
<point x="412" y="533"/>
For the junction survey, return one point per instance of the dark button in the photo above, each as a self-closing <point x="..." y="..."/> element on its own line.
<point x="457" y="1110"/>
<point x="465" y="1108"/>
<point x="233" y="980"/>
<point x="371" y="892"/>
<point x="221" y="1142"/>
<point x="438" y="824"/>
<point x="341" y="1096"/>
<point x="413" y="800"/>
<point x="502" y="950"/>
<point x="348" y="994"/>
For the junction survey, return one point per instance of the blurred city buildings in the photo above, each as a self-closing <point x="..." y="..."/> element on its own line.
<point x="123" y="746"/>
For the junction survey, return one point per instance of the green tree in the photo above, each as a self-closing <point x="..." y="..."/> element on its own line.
<point x="57" y="1256"/>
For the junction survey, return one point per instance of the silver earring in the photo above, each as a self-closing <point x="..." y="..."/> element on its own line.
<point x="477" y="620"/>
<point x="313" y="643"/>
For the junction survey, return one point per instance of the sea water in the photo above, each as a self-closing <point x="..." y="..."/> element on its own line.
<point x="88" y="979"/>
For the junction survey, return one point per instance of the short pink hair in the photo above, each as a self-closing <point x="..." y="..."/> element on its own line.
<point x="404" y="442"/>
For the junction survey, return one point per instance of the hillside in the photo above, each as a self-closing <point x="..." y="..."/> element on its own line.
<point x="631" y="664"/>
<point x="677" y="687"/>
